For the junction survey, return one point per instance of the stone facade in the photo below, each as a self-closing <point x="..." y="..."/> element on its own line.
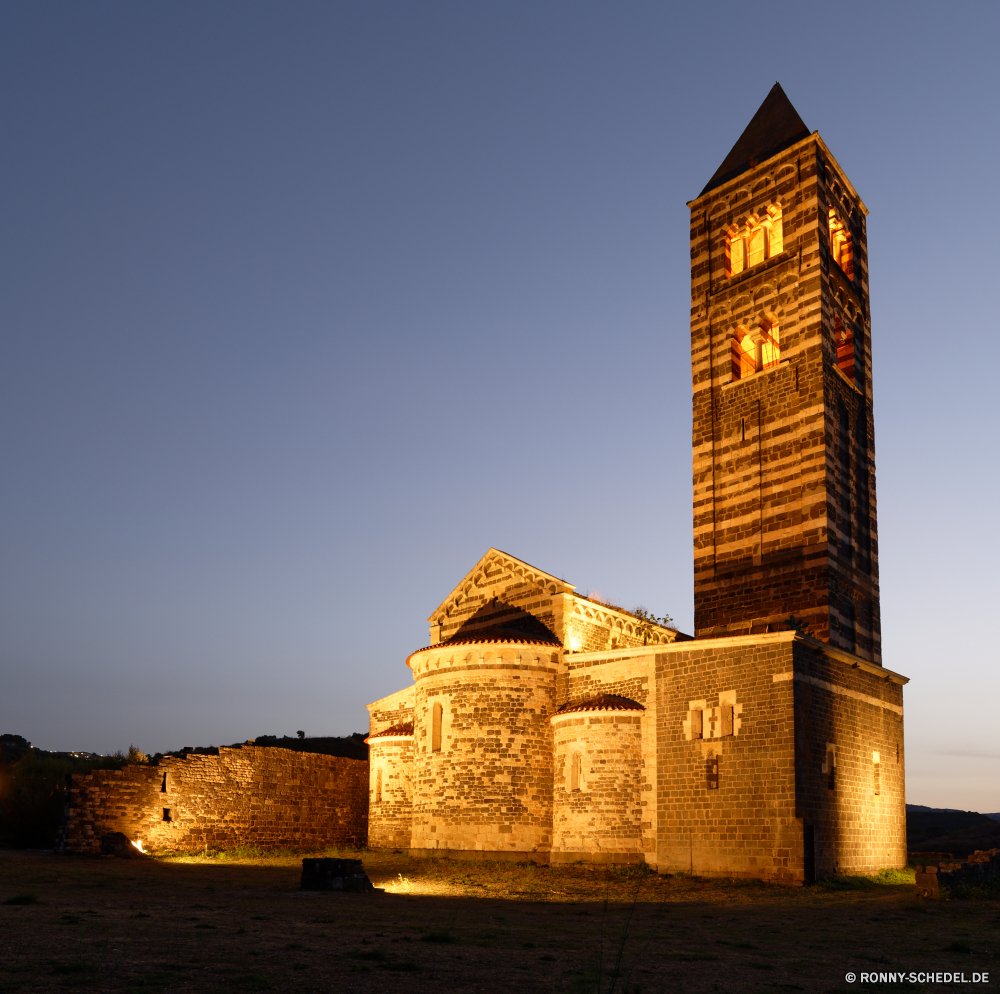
<point x="390" y="761"/>
<point x="264" y="797"/>
<point x="553" y="727"/>
<point x="598" y="786"/>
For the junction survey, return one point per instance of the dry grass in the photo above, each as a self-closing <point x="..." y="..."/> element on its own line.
<point x="239" y="923"/>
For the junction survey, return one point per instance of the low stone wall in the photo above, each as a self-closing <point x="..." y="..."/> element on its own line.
<point x="253" y="795"/>
<point x="934" y="873"/>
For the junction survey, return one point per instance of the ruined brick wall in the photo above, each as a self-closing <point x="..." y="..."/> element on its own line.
<point x="489" y="785"/>
<point x="266" y="797"/>
<point x="852" y="720"/>
<point x="601" y="814"/>
<point x="784" y="499"/>
<point x="746" y="825"/>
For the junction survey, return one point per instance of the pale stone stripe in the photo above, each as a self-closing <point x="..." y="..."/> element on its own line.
<point x="836" y="689"/>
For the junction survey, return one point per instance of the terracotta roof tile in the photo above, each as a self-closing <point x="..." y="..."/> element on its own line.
<point x="602" y="702"/>
<point x="488" y="637"/>
<point x="403" y="728"/>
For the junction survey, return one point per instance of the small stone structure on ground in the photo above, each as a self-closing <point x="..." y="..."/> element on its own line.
<point x="325" y="873"/>
<point x="938" y="873"/>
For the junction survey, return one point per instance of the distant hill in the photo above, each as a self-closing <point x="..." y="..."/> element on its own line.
<point x="950" y="830"/>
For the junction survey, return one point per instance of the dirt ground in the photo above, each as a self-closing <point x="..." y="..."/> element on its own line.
<point x="229" y="925"/>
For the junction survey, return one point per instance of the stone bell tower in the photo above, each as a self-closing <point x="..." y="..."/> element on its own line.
<point x="784" y="453"/>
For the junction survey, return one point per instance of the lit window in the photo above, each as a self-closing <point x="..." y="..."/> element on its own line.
<point x="841" y="245"/>
<point x="756" y="245"/>
<point x="574" y="771"/>
<point x="735" y="249"/>
<point x="744" y="355"/>
<point x="755" y="351"/>
<point x="845" y="347"/>
<point x="438" y="714"/>
<point x="759" y="239"/>
<point x="770" y="349"/>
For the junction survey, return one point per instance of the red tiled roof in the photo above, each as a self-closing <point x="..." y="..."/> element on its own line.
<point x="403" y="728"/>
<point x="488" y="637"/>
<point x="602" y="702"/>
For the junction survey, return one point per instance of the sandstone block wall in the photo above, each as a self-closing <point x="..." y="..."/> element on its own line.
<point x="254" y="796"/>
<point x="726" y="802"/>
<point x="632" y="675"/>
<point x="489" y="785"/>
<point x="602" y="815"/>
<point x="390" y="796"/>
<point x="857" y="810"/>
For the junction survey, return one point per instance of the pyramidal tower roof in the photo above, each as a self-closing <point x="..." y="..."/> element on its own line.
<point x="775" y="126"/>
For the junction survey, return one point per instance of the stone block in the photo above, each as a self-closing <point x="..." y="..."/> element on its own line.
<point x="335" y="874"/>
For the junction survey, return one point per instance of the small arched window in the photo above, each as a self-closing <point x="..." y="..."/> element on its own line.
<point x="841" y="245"/>
<point x="378" y="785"/>
<point x="437" y="715"/>
<point x="575" y="766"/>
<point x="760" y="238"/>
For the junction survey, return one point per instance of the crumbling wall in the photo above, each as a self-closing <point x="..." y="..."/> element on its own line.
<point x="248" y="796"/>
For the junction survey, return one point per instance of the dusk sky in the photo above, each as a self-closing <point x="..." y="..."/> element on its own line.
<point x="305" y="306"/>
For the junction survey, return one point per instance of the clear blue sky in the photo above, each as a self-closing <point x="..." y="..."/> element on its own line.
<point x="306" y="305"/>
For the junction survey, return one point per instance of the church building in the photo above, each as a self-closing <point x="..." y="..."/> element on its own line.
<point x="541" y="724"/>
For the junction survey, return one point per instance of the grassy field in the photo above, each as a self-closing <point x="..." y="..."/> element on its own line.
<point x="238" y="922"/>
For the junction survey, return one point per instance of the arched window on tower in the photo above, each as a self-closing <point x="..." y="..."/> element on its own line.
<point x="845" y="347"/>
<point x="750" y="244"/>
<point x="841" y="245"/>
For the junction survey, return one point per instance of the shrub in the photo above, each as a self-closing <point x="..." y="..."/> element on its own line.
<point x="33" y="790"/>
